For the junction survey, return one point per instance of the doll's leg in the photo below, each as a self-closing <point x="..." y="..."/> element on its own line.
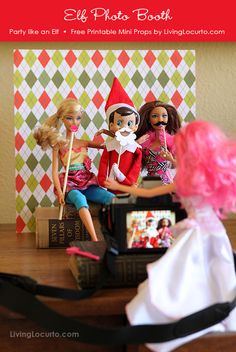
<point x="76" y="198"/>
<point x="99" y="195"/>
<point x="87" y="220"/>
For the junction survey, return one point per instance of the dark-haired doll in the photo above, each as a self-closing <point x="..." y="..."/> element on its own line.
<point x="158" y="123"/>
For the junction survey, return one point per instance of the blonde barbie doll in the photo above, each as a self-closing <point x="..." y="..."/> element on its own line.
<point x="82" y="183"/>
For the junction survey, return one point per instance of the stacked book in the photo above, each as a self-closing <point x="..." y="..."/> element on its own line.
<point x="130" y="269"/>
<point x="54" y="233"/>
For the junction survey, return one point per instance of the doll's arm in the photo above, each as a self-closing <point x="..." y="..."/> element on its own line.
<point x="104" y="131"/>
<point x="55" y="176"/>
<point x="140" y="192"/>
<point x="92" y="144"/>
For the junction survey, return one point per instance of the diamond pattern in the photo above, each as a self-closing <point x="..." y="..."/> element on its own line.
<point x="176" y="99"/>
<point x="18" y="79"/>
<point x="97" y="100"/>
<point x="150" y="79"/>
<point x="18" y="120"/>
<point x="109" y="79"/>
<point x="150" y="58"/>
<point x="163" y="58"/>
<point x="163" y="79"/>
<point x="31" y="100"/>
<point x="71" y="79"/>
<point x="98" y="120"/>
<point x="44" y="100"/>
<point x="189" y="99"/>
<point x="84" y="79"/>
<point x="32" y="183"/>
<point x="44" y="58"/>
<point x="110" y="58"/>
<point x="19" y="162"/>
<point x="57" y="79"/>
<point x="19" y="141"/>
<point x="19" y="183"/>
<point x="150" y="97"/>
<point x="43" y="78"/>
<point x="17" y="58"/>
<point x="137" y="79"/>
<point x="32" y="162"/>
<point x="31" y="120"/>
<point x="18" y="100"/>
<point x="189" y="58"/>
<point x="20" y="224"/>
<point x="176" y="79"/>
<point x="97" y="58"/>
<point x="30" y="79"/>
<point x="45" y="162"/>
<point x="84" y="58"/>
<point x="45" y="183"/>
<point x="124" y="79"/>
<point x="45" y="202"/>
<point x="30" y="58"/>
<point x="19" y="203"/>
<point x="176" y="58"/>
<point x="189" y="79"/>
<point x="97" y="79"/>
<point x="70" y="58"/>
<point x="123" y="58"/>
<point x="57" y="58"/>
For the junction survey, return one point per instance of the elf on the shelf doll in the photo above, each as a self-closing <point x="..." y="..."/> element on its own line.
<point x="150" y="233"/>
<point x="122" y="156"/>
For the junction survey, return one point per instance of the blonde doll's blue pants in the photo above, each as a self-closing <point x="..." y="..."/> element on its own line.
<point x="96" y="194"/>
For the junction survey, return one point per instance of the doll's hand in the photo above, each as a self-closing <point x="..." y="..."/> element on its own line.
<point x="104" y="131"/>
<point x="118" y="174"/>
<point x="61" y="199"/>
<point x="111" y="184"/>
<point x="165" y="154"/>
<point x="142" y="139"/>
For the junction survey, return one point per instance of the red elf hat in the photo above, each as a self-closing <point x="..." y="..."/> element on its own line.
<point x="150" y="216"/>
<point x="118" y="98"/>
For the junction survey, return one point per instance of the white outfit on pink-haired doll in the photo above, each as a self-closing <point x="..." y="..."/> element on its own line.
<point x="198" y="268"/>
<point x="196" y="271"/>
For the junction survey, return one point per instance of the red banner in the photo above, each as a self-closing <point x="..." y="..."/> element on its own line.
<point x="104" y="20"/>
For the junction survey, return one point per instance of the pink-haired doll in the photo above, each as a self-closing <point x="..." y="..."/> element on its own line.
<point x="198" y="268"/>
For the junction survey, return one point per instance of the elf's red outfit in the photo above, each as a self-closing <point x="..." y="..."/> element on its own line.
<point x="129" y="165"/>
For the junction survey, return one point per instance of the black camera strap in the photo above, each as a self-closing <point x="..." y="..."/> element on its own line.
<point x="28" y="305"/>
<point x="32" y="308"/>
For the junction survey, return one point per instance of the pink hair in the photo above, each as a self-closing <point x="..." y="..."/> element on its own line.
<point x="206" y="166"/>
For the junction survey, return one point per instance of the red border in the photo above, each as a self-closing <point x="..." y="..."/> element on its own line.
<point x="175" y="20"/>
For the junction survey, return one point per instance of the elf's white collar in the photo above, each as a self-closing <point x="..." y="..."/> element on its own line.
<point x="115" y="145"/>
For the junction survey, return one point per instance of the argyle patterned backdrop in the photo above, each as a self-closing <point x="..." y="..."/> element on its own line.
<point x="43" y="78"/>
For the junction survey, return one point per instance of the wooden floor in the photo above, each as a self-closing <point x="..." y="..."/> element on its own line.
<point x="19" y="255"/>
